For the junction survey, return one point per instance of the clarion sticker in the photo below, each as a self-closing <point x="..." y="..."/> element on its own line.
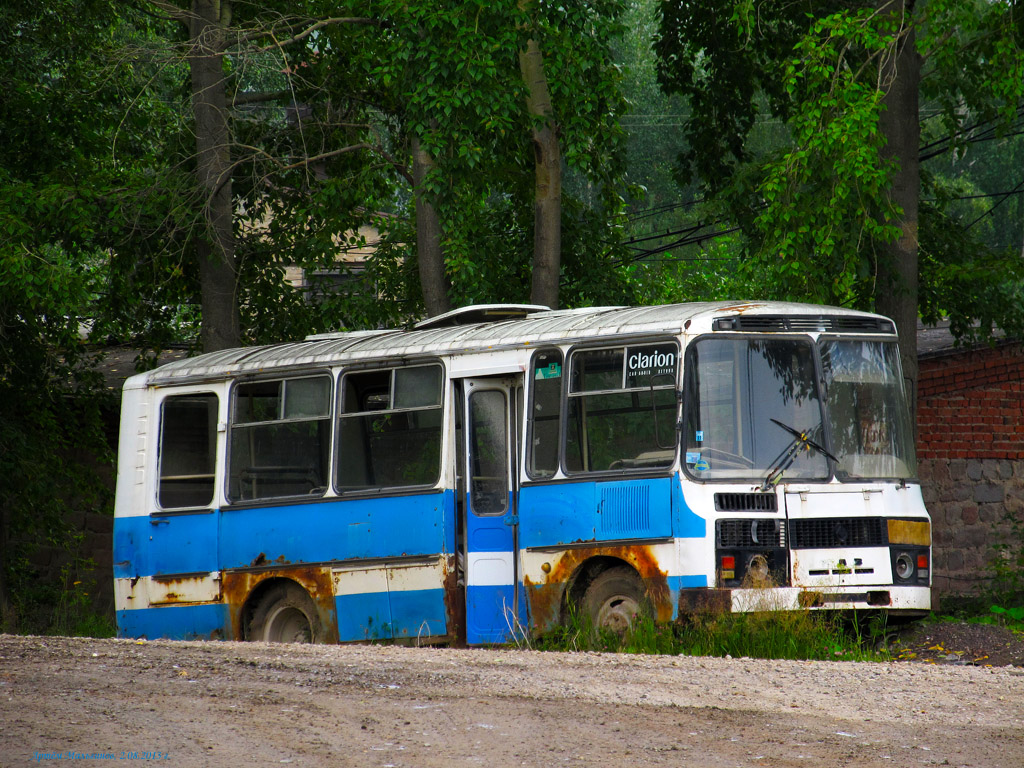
<point x="651" y="361"/>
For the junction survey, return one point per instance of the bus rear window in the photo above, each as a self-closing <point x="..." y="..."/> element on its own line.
<point x="188" y="450"/>
<point x="389" y="428"/>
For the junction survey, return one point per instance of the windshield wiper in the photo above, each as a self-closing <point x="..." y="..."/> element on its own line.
<point x="788" y="456"/>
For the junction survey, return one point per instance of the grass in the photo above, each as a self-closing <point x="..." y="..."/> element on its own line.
<point x="1004" y="609"/>
<point x="799" y="635"/>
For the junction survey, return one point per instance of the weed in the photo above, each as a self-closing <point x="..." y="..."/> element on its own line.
<point x="1009" y="617"/>
<point x="1006" y="587"/>
<point x="73" y="614"/>
<point x="769" y="635"/>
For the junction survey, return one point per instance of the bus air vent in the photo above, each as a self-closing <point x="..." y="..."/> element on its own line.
<point x="831" y="532"/>
<point x="804" y="323"/>
<point x="756" y="534"/>
<point x="625" y="508"/>
<point x="746" y="502"/>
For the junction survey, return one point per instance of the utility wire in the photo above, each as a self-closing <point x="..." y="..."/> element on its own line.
<point x="1006" y="196"/>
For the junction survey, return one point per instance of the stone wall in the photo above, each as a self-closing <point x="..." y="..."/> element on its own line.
<point x="969" y="501"/>
<point x="971" y="459"/>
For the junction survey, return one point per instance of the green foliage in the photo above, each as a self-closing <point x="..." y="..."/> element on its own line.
<point x="813" y="203"/>
<point x="1006" y="587"/>
<point x="74" y="614"/>
<point x="56" y="177"/>
<point x="1010" y="617"/>
<point x="825" y="200"/>
<point x="800" y="635"/>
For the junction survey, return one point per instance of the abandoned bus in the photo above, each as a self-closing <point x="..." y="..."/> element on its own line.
<point x="490" y="471"/>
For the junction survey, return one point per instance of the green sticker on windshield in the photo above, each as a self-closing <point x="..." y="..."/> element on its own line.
<point x="553" y="371"/>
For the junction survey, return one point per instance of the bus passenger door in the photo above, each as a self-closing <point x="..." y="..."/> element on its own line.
<point x="494" y="611"/>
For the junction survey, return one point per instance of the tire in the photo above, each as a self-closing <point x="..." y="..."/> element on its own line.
<point x="286" y="614"/>
<point x="614" y="599"/>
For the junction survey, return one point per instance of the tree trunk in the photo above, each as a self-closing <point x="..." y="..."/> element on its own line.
<point x="898" y="271"/>
<point x="547" y="206"/>
<point x="215" y="246"/>
<point x="429" y="254"/>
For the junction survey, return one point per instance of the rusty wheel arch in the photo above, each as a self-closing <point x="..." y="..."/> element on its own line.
<point x="243" y="591"/>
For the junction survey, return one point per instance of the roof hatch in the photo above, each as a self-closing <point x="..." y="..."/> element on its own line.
<point x="480" y="313"/>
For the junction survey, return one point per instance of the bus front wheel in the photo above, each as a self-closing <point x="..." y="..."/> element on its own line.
<point x="286" y="614"/>
<point x="614" y="600"/>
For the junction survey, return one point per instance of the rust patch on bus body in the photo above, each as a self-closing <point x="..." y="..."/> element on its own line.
<point x="238" y="586"/>
<point x="261" y="561"/>
<point x="182" y="590"/>
<point x="454" y="604"/>
<point x="741" y="308"/>
<point x="547" y="597"/>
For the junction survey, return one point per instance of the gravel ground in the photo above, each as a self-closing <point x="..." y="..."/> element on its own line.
<point x="228" y="704"/>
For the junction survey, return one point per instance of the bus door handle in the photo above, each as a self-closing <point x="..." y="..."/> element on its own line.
<point x="159" y="521"/>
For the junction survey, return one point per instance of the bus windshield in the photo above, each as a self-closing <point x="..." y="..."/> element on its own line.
<point x="755" y="410"/>
<point x="870" y="429"/>
<point x="735" y="388"/>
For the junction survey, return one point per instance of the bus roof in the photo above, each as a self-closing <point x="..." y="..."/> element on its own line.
<point x="526" y="329"/>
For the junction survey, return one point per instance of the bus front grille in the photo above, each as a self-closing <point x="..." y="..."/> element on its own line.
<point x="755" y="534"/>
<point x="831" y="532"/>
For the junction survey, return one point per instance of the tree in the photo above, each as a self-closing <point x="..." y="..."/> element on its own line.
<point x="210" y="39"/>
<point x="547" y="195"/>
<point x="59" y="216"/>
<point x="831" y="215"/>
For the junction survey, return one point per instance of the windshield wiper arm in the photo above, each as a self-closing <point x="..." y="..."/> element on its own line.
<point x="804" y="439"/>
<point x="788" y="455"/>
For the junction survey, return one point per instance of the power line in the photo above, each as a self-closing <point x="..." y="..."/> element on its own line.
<point x="1006" y="196"/>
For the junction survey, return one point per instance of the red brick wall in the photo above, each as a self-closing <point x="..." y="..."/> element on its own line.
<point x="971" y="404"/>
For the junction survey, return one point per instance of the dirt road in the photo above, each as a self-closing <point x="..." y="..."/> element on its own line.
<point x="77" y="701"/>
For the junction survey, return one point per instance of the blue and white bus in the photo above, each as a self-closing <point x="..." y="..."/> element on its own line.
<point x="492" y="471"/>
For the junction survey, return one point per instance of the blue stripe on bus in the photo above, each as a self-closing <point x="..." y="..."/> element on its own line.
<point x="563" y="513"/>
<point x="335" y="530"/>
<point x="364" y="616"/>
<point x="419" y="613"/>
<point x="176" y="622"/>
<point x="489" y="614"/>
<point x="237" y="537"/>
<point x="400" y="614"/>
<point x="149" y="546"/>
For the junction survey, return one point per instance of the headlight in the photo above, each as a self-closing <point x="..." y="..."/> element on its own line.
<point x="904" y="566"/>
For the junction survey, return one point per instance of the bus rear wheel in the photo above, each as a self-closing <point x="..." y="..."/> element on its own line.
<point x="286" y="614"/>
<point x="615" y="599"/>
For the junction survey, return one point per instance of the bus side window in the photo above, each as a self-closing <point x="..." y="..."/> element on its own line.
<point x="188" y="450"/>
<point x="621" y="408"/>
<point x="389" y="428"/>
<point x="280" y="438"/>
<point x="545" y="413"/>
